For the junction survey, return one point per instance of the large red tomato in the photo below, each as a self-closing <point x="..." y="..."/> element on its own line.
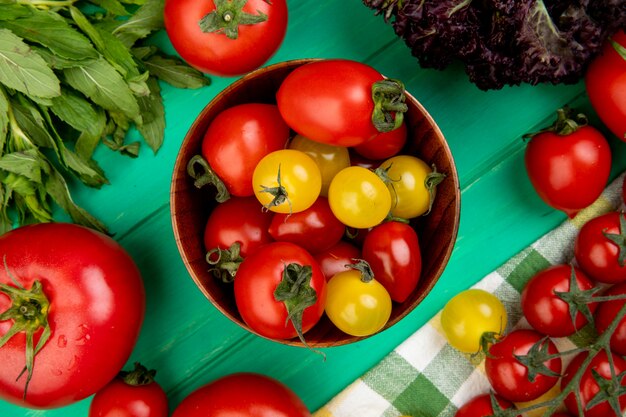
<point x="606" y="85"/>
<point x="599" y="246"/>
<point x="568" y="167"/>
<point x="213" y="35"/>
<point x="238" y="138"/>
<point x="393" y="252"/>
<point x="331" y="101"/>
<point x="273" y="282"/>
<point x="589" y="387"/>
<point x="90" y="293"/>
<point x="242" y="394"/>
<point x="510" y="377"/>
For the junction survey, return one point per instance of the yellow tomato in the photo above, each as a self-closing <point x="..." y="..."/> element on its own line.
<point x="471" y="316"/>
<point x="356" y="306"/>
<point x="359" y="198"/>
<point x="286" y="181"/>
<point x="329" y="159"/>
<point x="412" y="184"/>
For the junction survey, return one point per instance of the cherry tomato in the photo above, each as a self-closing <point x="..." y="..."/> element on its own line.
<point x="287" y="181"/>
<point x="359" y="198"/>
<point x="242" y="394"/>
<point x="589" y="387"/>
<point x="393" y="252"/>
<point x="131" y="394"/>
<point x="262" y="280"/>
<point x="357" y="304"/>
<point x="238" y="138"/>
<point x="470" y="317"/>
<point x="384" y="145"/>
<point x="314" y="229"/>
<point x="239" y="219"/>
<point x="481" y="406"/>
<point x="329" y="159"/>
<point x="331" y="101"/>
<point x="227" y="46"/>
<point x="545" y="311"/>
<point x="412" y="184"/>
<point x="606" y="85"/>
<point x="511" y="378"/>
<point x="607" y="312"/>
<point x="568" y="168"/>
<point x="334" y="260"/>
<point x="88" y="289"/>
<point x="600" y="250"/>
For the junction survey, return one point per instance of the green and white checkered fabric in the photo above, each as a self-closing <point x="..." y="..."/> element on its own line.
<point x="425" y="376"/>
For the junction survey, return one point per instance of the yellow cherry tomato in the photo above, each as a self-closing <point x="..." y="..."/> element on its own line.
<point x="471" y="316"/>
<point x="412" y="184"/>
<point x="359" y="198"/>
<point x="286" y="181"/>
<point x="356" y="303"/>
<point x="329" y="159"/>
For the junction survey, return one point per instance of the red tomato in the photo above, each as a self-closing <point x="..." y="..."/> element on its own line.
<point x="242" y="394"/>
<point x="606" y="86"/>
<point x="384" y="145"/>
<point x="233" y="48"/>
<point x="238" y="138"/>
<point x="393" y="252"/>
<point x="330" y="101"/>
<point x="96" y="307"/>
<point x="509" y="377"/>
<point x="480" y="406"/>
<point x="256" y="284"/>
<point x="545" y="310"/>
<point x="568" y="170"/>
<point x="607" y="312"/>
<point x="589" y="387"/>
<point x="334" y="260"/>
<point x="239" y="219"/>
<point x="596" y="253"/>
<point x="131" y="394"/>
<point x="314" y="229"/>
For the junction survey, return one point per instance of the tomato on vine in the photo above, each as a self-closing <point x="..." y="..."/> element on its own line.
<point x="472" y="319"/>
<point x="606" y="313"/>
<point x="287" y="181"/>
<point x="484" y="405"/>
<point x="356" y="303"/>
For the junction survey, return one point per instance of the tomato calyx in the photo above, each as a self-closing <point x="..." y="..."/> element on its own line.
<point x="225" y="262"/>
<point x="431" y="182"/>
<point x="29" y="312"/>
<point x="619" y="239"/>
<point x="279" y="193"/>
<point x="202" y="173"/>
<point x="389" y="106"/>
<point x="536" y="358"/>
<point x="138" y="376"/>
<point x="567" y="122"/>
<point x="363" y="267"/>
<point x="296" y="292"/>
<point x="227" y="17"/>
<point x="610" y="389"/>
<point x="577" y="299"/>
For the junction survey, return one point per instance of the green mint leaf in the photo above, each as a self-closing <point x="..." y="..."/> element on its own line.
<point x="26" y="164"/>
<point x="14" y="11"/>
<point x="4" y="119"/>
<point x="86" y="143"/>
<point x="57" y="62"/>
<point x="153" y="113"/>
<point x="6" y="223"/>
<point x="49" y="29"/>
<point x="137" y="2"/>
<point x="118" y="54"/>
<point x="56" y="187"/>
<point x="104" y="86"/>
<point x="32" y="124"/>
<point x="175" y="72"/>
<point x="114" y="7"/>
<point x="23" y="70"/>
<point x="147" y="19"/>
<point x="76" y="111"/>
<point x="19" y="184"/>
<point x="144" y="52"/>
<point x="88" y="171"/>
<point x="139" y="85"/>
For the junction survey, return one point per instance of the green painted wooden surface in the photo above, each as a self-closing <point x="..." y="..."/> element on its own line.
<point x="191" y="343"/>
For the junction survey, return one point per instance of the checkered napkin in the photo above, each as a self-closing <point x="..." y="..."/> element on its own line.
<point x="425" y="376"/>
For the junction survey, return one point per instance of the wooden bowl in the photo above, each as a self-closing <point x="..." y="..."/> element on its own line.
<point x="190" y="207"/>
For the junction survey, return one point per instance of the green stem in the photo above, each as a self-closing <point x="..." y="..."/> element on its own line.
<point x="202" y="173"/>
<point x="138" y="376"/>
<point x="389" y="104"/>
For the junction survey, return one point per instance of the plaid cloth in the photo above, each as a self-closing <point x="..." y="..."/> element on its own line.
<point x="424" y="375"/>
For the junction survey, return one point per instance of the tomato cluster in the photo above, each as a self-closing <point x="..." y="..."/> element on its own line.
<point x="525" y="366"/>
<point x="298" y="195"/>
